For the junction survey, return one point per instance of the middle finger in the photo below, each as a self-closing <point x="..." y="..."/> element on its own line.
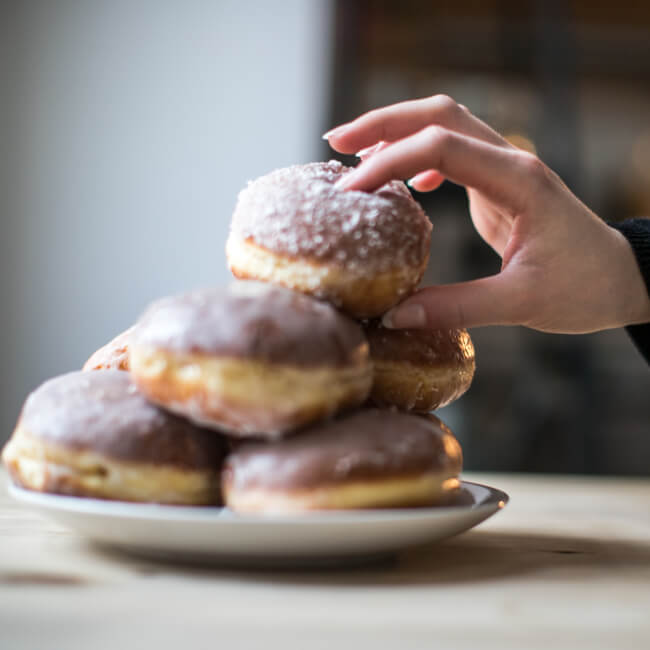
<point x="395" y="122"/>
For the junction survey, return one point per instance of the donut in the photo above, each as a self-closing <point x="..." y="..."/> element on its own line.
<point x="115" y="354"/>
<point x="361" y="251"/>
<point x="371" y="458"/>
<point x="92" y="434"/>
<point x="419" y="370"/>
<point x="251" y="359"/>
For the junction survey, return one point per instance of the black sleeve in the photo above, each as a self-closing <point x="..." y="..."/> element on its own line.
<point x="637" y="232"/>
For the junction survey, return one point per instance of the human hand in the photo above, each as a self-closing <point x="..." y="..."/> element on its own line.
<point x="563" y="269"/>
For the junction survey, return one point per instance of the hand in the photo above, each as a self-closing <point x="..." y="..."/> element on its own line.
<point x="563" y="269"/>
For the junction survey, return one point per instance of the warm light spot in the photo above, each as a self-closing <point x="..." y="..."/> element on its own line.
<point x="190" y="372"/>
<point x="521" y="141"/>
<point x="466" y="346"/>
<point x="450" y="484"/>
<point x="451" y="445"/>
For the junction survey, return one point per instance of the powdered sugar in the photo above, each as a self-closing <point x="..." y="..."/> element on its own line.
<point x="297" y="211"/>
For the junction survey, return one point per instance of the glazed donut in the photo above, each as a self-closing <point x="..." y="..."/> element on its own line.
<point x="370" y="459"/>
<point x="115" y="354"/>
<point x="252" y="359"/>
<point x="419" y="370"/>
<point x="92" y="434"/>
<point x="362" y="252"/>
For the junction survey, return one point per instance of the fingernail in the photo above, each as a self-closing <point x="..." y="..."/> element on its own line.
<point x="335" y="131"/>
<point x="366" y="151"/>
<point x="413" y="181"/>
<point x="404" y="317"/>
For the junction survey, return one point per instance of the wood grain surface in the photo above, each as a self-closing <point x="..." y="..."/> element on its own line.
<point x="566" y="564"/>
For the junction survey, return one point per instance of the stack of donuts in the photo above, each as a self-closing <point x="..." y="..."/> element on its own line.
<point x="281" y="393"/>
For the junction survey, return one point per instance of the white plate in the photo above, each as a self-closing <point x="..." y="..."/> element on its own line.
<point x="204" y="534"/>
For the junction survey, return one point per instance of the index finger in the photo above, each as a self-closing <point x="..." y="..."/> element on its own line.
<point x="497" y="172"/>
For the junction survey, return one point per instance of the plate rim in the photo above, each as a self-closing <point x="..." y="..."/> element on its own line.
<point x="497" y="499"/>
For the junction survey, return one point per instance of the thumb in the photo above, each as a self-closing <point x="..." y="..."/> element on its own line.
<point x="487" y="301"/>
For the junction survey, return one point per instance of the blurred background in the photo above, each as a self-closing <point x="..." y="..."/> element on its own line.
<point x="128" y="128"/>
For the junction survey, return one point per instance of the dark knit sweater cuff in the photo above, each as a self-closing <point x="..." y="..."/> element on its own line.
<point x="637" y="232"/>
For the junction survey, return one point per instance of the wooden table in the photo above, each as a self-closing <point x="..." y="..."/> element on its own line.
<point x="565" y="565"/>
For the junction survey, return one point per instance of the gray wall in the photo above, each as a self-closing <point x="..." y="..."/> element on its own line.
<point x="127" y="129"/>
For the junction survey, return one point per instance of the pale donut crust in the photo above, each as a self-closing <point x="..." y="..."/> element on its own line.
<point x="416" y="491"/>
<point x="419" y="389"/>
<point x="43" y="466"/>
<point x="115" y="354"/>
<point x="421" y="373"/>
<point x="244" y="397"/>
<point x="358" y="294"/>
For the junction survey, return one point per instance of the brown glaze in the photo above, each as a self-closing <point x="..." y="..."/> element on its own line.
<point x="253" y="320"/>
<point x="419" y="370"/>
<point x="297" y="212"/>
<point x="103" y="412"/>
<point x="425" y="348"/>
<point x="115" y="354"/>
<point x="368" y="444"/>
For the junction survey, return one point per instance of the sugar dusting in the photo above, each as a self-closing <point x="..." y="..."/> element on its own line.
<point x="298" y="212"/>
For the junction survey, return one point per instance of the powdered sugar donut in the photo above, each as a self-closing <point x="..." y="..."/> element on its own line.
<point x="361" y="251"/>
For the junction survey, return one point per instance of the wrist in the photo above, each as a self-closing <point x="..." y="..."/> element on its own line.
<point x="632" y="299"/>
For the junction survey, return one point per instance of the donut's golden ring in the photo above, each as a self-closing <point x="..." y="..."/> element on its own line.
<point x="247" y="397"/>
<point x="353" y="291"/>
<point x="94" y="435"/>
<point x="419" y="370"/>
<point x="369" y="459"/>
